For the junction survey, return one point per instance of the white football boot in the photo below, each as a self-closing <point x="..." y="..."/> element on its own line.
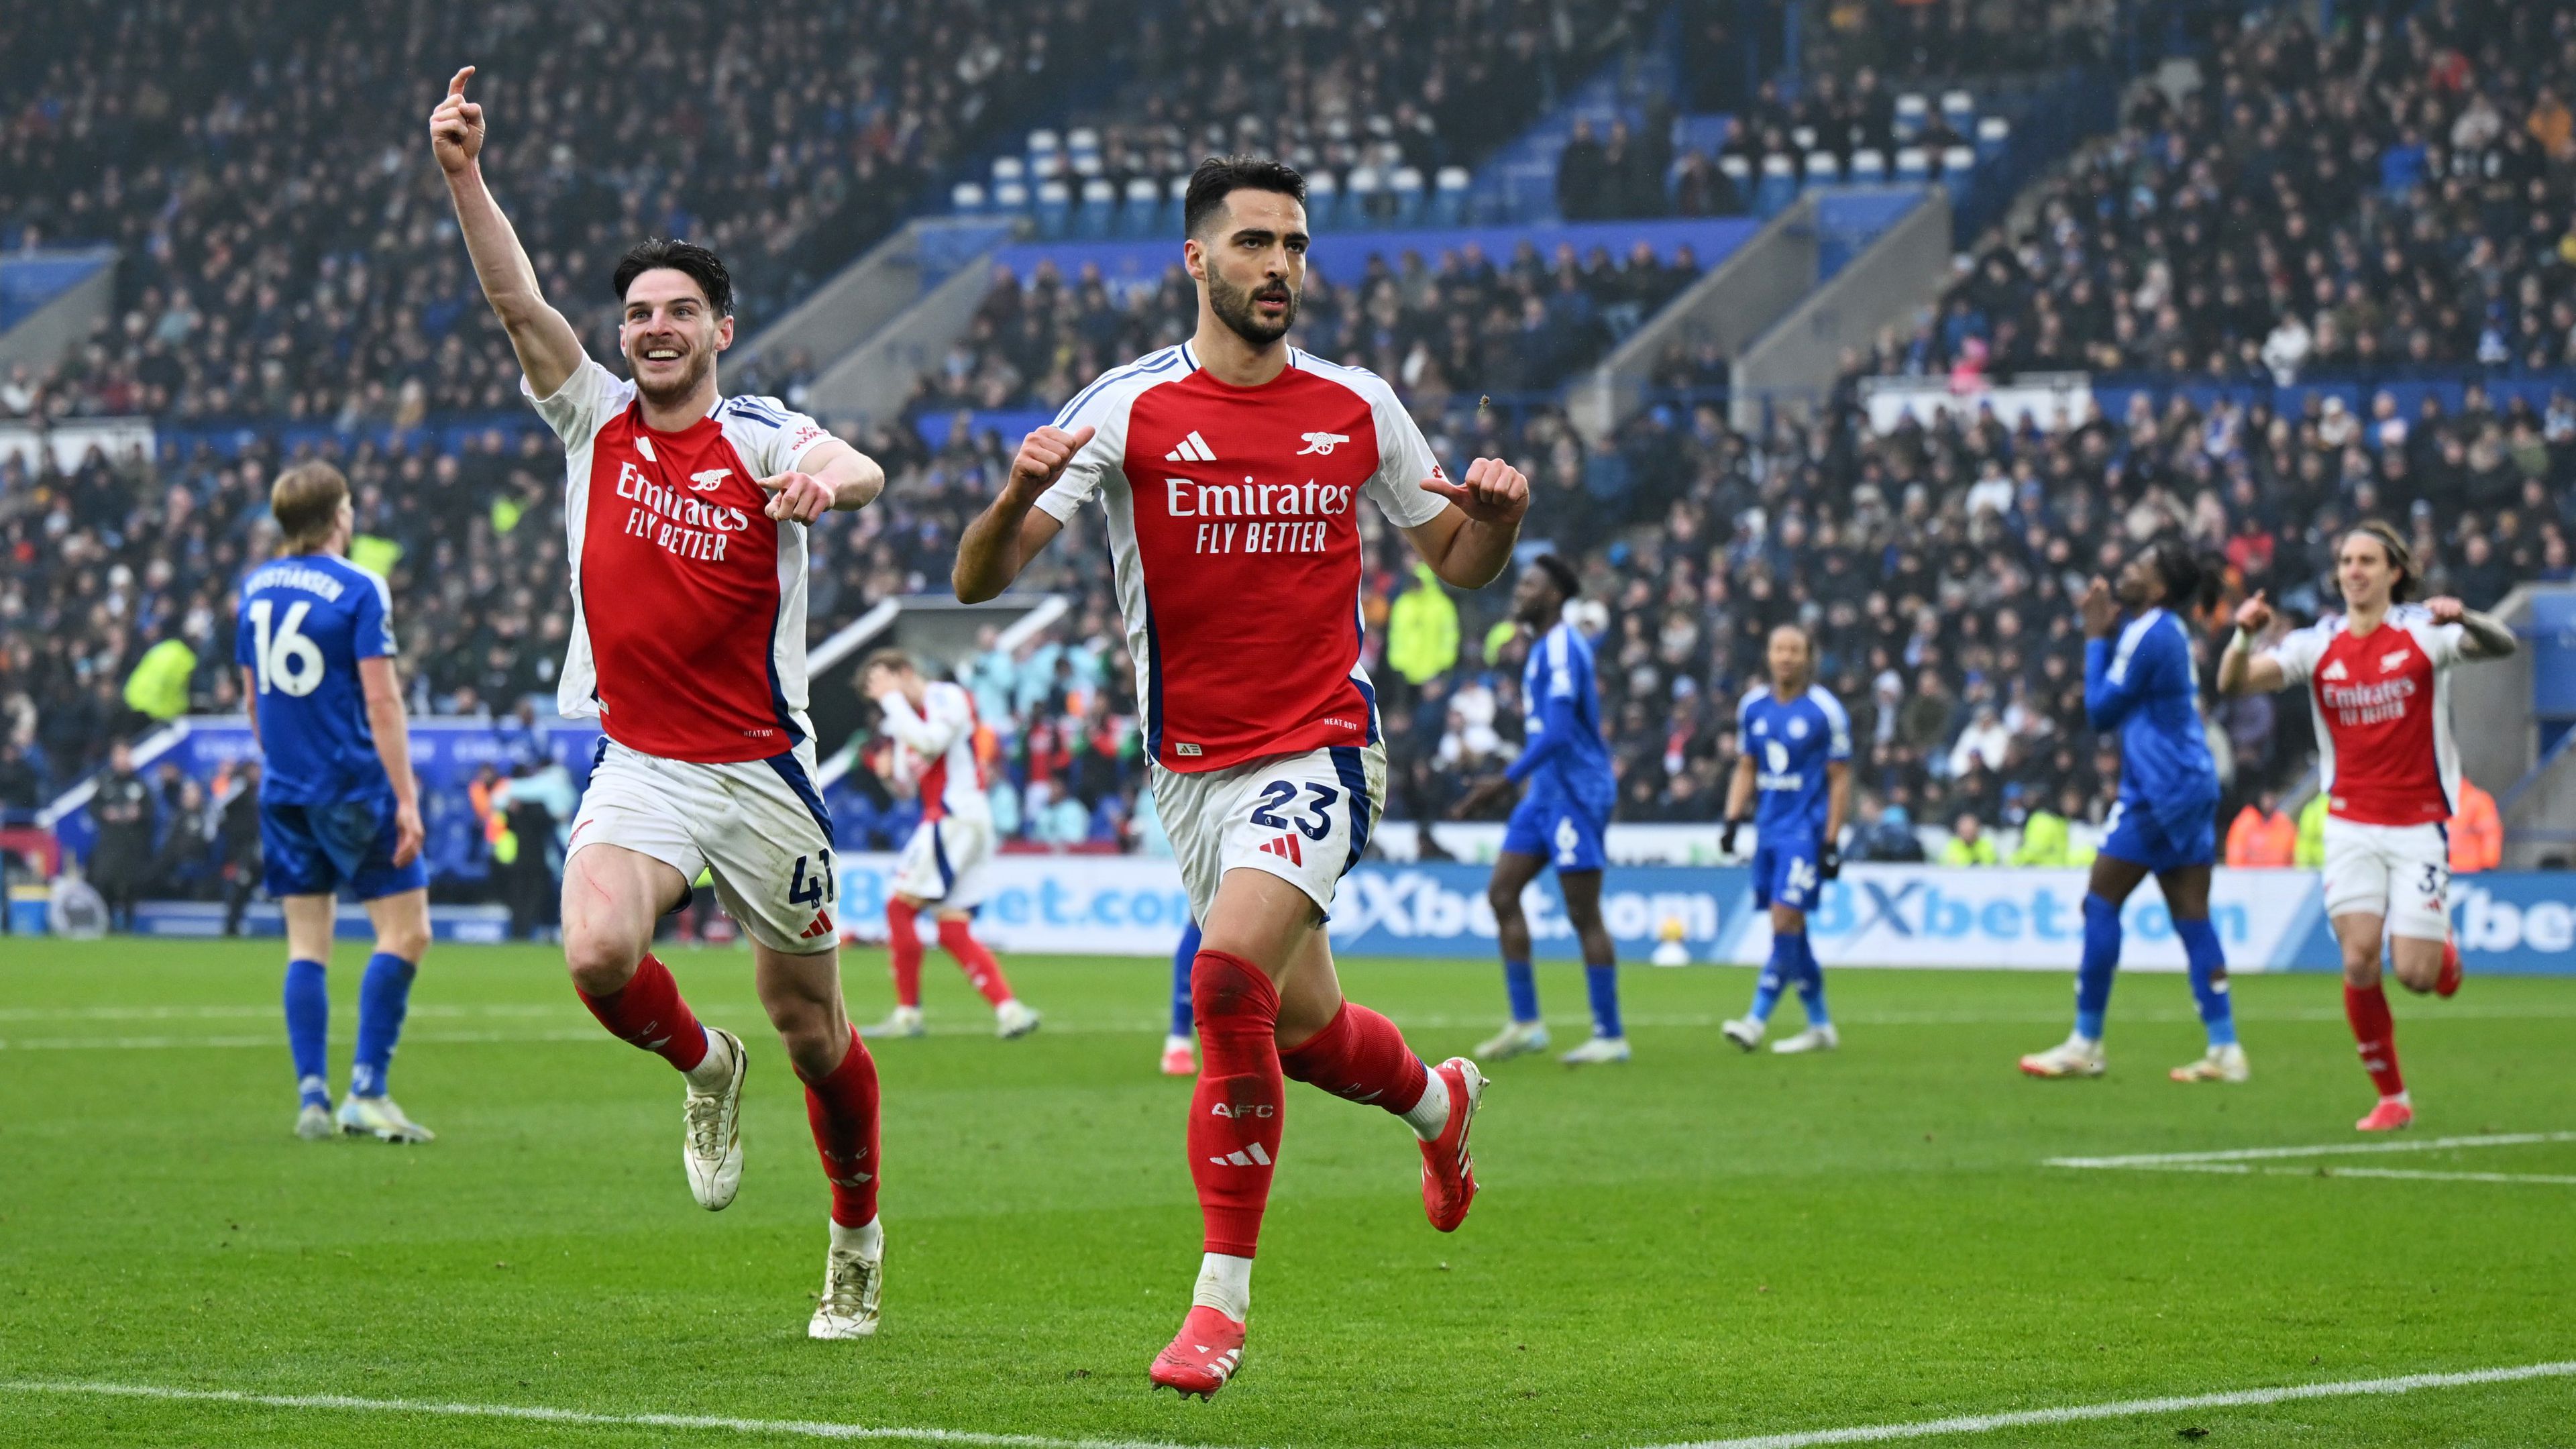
<point x="314" y="1123"/>
<point x="1516" y="1039"/>
<point x="2073" y="1057"/>
<point x="1813" y="1039"/>
<point x="1744" y="1032"/>
<point x="905" y="1021"/>
<point x="711" y="1135"/>
<point x="1015" y="1018"/>
<point x="1599" y="1049"/>
<point x="379" y="1118"/>
<point x="2219" y="1064"/>
<point x="853" y="1281"/>
<point x="1179" y="1060"/>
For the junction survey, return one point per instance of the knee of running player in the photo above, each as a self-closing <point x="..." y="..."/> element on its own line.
<point x="406" y="936"/>
<point x="1505" y="898"/>
<point x="601" y="956"/>
<point x="2418" y="963"/>
<point x="814" y="1033"/>
<point x="2360" y="960"/>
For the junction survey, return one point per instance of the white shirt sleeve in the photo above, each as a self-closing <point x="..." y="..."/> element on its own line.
<point x="1404" y="461"/>
<point x="2298" y="653"/>
<point x="576" y="409"/>
<point x="2441" y="643"/>
<point x="778" y="437"/>
<point x="1105" y="411"/>
<point x="929" y="733"/>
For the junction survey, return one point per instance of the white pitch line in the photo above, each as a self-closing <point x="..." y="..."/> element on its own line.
<point x="2077" y="1413"/>
<point x="784" y="1428"/>
<point x="2331" y="1149"/>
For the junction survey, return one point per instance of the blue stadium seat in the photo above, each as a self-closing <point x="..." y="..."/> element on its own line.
<point x="1959" y="109"/>
<point x="1176" y="198"/>
<point x="1323" y="202"/>
<point x="1802" y="139"/>
<point x="1824" y="168"/>
<point x="1958" y="172"/>
<point x="1449" y="196"/>
<point x="1779" y="185"/>
<point x="1362" y="191"/>
<point x="1404" y="184"/>
<point x="1913" y="165"/>
<point x="1046" y="155"/>
<point x="1082" y="150"/>
<point x="1993" y="133"/>
<point x="1099" y="213"/>
<point x="966" y="199"/>
<point x="1007" y="169"/>
<point x="1740" y="172"/>
<point x="1142" y="215"/>
<point x="1010" y="199"/>
<point x="1912" y="113"/>
<point x="1868" y="167"/>
<point x="1055" y="208"/>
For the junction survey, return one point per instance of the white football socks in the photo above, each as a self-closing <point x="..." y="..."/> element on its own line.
<point x="867" y="1240"/>
<point x="1431" y="1114"/>
<point x="1225" y="1284"/>
<point x="714" y="1071"/>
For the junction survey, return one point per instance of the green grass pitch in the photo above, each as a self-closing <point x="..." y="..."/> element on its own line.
<point x="1698" y="1245"/>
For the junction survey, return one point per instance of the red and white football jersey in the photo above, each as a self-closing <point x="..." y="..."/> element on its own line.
<point x="688" y="622"/>
<point x="2382" y="703"/>
<point x="1237" y="547"/>
<point x="936" y="750"/>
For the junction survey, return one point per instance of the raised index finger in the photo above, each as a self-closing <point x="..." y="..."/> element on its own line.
<point x="456" y="83"/>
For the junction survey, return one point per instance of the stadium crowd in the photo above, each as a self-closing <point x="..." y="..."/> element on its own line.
<point x="2392" y="199"/>
<point x="1465" y="325"/>
<point x="287" y="252"/>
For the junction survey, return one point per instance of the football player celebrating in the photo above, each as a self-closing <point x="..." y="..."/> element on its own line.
<point x="943" y="865"/>
<point x="338" y="807"/>
<point x="2166" y="821"/>
<point x="1793" y="742"/>
<point x="2378" y="679"/>
<point x="687" y="513"/>
<point x="1559" y="822"/>
<point x="1231" y="467"/>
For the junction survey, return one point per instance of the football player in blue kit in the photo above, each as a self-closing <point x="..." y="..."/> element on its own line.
<point x="2143" y="684"/>
<point x="1794" y="743"/>
<point x="338" y="807"/>
<point x="1560" y="821"/>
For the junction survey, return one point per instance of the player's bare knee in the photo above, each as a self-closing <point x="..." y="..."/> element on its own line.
<point x="409" y="940"/>
<point x="599" y="961"/>
<point x="1505" y="899"/>
<point x="2360" y="969"/>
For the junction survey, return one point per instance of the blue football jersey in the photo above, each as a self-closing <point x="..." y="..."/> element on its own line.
<point x="2143" y="686"/>
<point x="1791" y="741"/>
<point x="306" y="620"/>
<point x="1562" y="753"/>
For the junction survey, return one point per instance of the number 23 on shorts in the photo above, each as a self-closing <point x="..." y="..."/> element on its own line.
<point x="1315" y="823"/>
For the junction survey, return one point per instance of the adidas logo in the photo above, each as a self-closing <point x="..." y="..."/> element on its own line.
<point x="1193" y="449"/>
<point x="2334" y="671"/>
<point x="1249" y="1156"/>
<point x="1285" y="845"/>
<point x="822" y="926"/>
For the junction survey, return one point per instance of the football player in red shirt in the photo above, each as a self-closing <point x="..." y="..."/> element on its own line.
<point x="687" y="512"/>
<point x="2378" y="679"/>
<point x="1230" y="468"/>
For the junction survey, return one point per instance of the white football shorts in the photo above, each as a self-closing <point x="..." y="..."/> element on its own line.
<point x="758" y="827"/>
<point x="2401" y="872"/>
<point x="946" y="862"/>
<point x="1304" y="818"/>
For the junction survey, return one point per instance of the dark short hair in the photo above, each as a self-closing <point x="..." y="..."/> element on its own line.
<point x="702" y="266"/>
<point x="1559" y="573"/>
<point x="2190" y="580"/>
<point x="1218" y="177"/>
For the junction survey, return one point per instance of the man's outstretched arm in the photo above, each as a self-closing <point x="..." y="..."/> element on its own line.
<point x="549" y="350"/>
<point x="1009" y="532"/>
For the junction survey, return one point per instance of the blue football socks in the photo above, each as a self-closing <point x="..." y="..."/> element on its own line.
<point x="1182" y="957"/>
<point x="384" y="997"/>
<point x="2208" y="963"/>
<point x="1777" y="973"/>
<point x="1811" y="982"/>
<point x="1521" y="985"/>
<point x="1603" y="983"/>
<point x="308" y="1028"/>
<point x="2101" y="962"/>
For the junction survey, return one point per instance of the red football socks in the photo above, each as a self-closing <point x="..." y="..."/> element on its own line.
<point x="650" y="1014"/>
<point x="903" y="944"/>
<point x="2376" y="1036"/>
<point x="1360" y="1057"/>
<point x="957" y="938"/>
<point x="1235" y="1112"/>
<point x="842" y="1109"/>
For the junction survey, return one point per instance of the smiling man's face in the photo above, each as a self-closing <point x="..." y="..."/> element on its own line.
<point x="670" y="334"/>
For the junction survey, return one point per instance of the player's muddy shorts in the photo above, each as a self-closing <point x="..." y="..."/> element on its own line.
<point x="2402" y="872"/>
<point x="758" y="827"/>
<point x="1304" y="818"/>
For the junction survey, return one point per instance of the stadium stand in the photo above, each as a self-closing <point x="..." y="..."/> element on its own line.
<point x="1936" y="557"/>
